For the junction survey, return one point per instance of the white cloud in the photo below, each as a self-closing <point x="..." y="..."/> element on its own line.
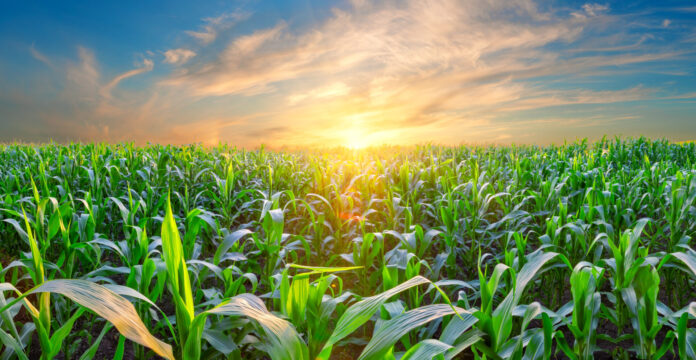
<point x="418" y="39"/>
<point x="247" y="44"/>
<point x="411" y="71"/>
<point x="147" y="65"/>
<point x="591" y="10"/>
<point x="416" y="68"/>
<point x="178" y="56"/>
<point x="214" y="25"/>
<point x="329" y="91"/>
<point x="595" y="9"/>
<point x="36" y="54"/>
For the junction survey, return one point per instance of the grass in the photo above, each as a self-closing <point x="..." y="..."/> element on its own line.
<point x="517" y="252"/>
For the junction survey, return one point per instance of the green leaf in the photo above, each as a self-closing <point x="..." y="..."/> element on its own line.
<point x="110" y="306"/>
<point x="681" y="334"/>
<point x="280" y="340"/>
<point x="176" y="263"/>
<point x="457" y="327"/>
<point x="11" y="343"/>
<point x="120" y="348"/>
<point x="229" y="241"/>
<point x="392" y="330"/>
<point x="92" y="350"/>
<point x="360" y="312"/>
<point x="563" y="345"/>
<point x="426" y="349"/>
<point x="60" y="334"/>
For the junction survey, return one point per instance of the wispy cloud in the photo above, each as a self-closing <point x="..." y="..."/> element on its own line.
<point x="36" y="54"/>
<point x="324" y="92"/>
<point x="147" y="65"/>
<point x="84" y="106"/>
<point x="213" y="25"/>
<point x="178" y="56"/>
<point x="418" y="64"/>
<point x="594" y="9"/>
<point x="411" y="71"/>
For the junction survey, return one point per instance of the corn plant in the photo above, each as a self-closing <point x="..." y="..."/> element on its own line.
<point x="497" y="323"/>
<point x="584" y="283"/>
<point x="282" y="340"/>
<point x="309" y="306"/>
<point x="641" y="299"/>
<point x="213" y="269"/>
<point x="88" y="295"/>
<point x="628" y="258"/>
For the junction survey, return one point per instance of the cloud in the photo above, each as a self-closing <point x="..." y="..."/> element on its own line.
<point x="590" y="10"/>
<point x="147" y="65"/>
<point x="205" y="37"/>
<point x="420" y="39"/>
<point x="39" y="56"/>
<point x="248" y="44"/>
<point x="595" y="9"/>
<point x="324" y="92"/>
<point x="81" y="107"/>
<point x="548" y="98"/>
<point x="178" y="56"/>
<point x="84" y="75"/>
<point x="214" y="25"/>
<point x="400" y="72"/>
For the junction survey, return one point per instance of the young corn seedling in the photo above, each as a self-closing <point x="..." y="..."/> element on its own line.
<point x="307" y="304"/>
<point x="641" y="300"/>
<point x="497" y="324"/>
<point x="417" y="242"/>
<point x="628" y="258"/>
<point x="678" y="320"/>
<point x="368" y="252"/>
<point x="584" y="281"/>
<point x="387" y="335"/>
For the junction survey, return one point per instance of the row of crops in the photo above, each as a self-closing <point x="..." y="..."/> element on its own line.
<point x="521" y="252"/>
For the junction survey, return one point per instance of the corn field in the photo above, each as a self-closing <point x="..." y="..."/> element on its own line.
<point x="577" y="251"/>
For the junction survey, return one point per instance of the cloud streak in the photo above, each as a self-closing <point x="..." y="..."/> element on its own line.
<point x="213" y="25"/>
<point x="36" y="54"/>
<point x="147" y="65"/>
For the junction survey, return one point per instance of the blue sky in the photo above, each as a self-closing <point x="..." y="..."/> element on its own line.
<point x="318" y="73"/>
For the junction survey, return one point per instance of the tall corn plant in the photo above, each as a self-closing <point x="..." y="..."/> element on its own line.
<point x="101" y="300"/>
<point x="281" y="339"/>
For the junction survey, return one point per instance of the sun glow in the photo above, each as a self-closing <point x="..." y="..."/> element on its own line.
<point x="356" y="144"/>
<point x="355" y="139"/>
<point x="355" y="135"/>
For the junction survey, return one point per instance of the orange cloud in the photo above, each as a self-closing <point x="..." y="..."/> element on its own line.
<point x="396" y="72"/>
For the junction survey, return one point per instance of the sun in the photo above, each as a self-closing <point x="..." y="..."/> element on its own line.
<point x="356" y="144"/>
<point x="355" y="139"/>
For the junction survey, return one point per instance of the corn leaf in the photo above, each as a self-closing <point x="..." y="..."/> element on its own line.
<point x="110" y="306"/>
<point x="392" y="330"/>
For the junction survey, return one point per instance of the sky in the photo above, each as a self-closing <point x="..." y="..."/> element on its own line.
<point x="300" y="73"/>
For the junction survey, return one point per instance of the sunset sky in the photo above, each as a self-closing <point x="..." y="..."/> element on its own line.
<point x="354" y="73"/>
